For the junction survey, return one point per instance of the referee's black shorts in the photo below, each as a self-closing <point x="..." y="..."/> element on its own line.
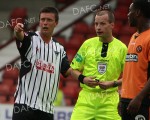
<point x="143" y="113"/>
<point x="24" y="112"/>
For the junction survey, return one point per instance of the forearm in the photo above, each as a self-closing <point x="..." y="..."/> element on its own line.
<point x="87" y="80"/>
<point x="75" y="73"/>
<point x="68" y="72"/>
<point x="119" y="82"/>
<point x="19" y="35"/>
<point x="116" y="83"/>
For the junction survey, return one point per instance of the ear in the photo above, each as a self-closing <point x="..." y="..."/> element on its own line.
<point x="112" y="25"/>
<point x="56" y="23"/>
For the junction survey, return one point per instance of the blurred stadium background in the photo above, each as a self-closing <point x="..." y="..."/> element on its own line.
<point x="75" y="26"/>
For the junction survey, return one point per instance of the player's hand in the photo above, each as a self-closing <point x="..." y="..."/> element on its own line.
<point x="134" y="105"/>
<point x="90" y="81"/>
<point x="19" y="27"/>
<point x="106" y="84"/>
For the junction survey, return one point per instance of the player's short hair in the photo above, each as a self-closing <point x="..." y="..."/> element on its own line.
<point x="50" y="10"/>
<point x="143" y="6"/>
<point x="108" y="11"/>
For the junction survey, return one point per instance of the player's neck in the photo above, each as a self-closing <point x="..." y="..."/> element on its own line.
<point x="107" y="39"/>
<point x="46" y="38"/>
<point x="143" y="26"/>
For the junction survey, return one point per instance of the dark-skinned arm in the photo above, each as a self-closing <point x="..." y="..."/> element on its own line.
<point x="135" y="103"/>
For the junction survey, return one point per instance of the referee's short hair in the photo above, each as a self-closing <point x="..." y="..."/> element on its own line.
<point x="143" y="6"/>
<point x="106" y="10"/>
<point x="50" y="10"/>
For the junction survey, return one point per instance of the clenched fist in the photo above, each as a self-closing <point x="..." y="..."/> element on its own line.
<point x="19" y="27"/>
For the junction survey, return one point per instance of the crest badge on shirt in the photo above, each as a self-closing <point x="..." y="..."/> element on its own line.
<point x="138" y="48"/>
<point x="102" y="67"/>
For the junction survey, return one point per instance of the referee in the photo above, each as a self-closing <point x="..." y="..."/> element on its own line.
<point x="98" y="65"/>
<point x="42" y="61"/>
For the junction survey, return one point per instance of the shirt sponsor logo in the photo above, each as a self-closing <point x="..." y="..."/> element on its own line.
<point x="131" y="58"/>
<point x="102" y="67"/>
<point x="78" y="58"/>
<point x="45" y="66"/>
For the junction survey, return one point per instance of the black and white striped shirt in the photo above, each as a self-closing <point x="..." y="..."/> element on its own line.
<point x="41" y="65"/>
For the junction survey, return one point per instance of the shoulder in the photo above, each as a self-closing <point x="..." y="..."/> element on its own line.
<point x="119" y="43"/>
<point x="57" y="43"/>
<point x="146" y="36"/>
<point x="91" y="41"/>
<point x="30" y="34"/>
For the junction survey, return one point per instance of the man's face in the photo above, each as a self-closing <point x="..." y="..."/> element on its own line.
<point x="102" y="26"/>
<point x="47" y="23"/>
<point x="132" y="16"/>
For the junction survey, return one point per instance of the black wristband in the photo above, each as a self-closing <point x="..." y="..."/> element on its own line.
<point x="115" y="84"/>
<point x="80" y="78"/>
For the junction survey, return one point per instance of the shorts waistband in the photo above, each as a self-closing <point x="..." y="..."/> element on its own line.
<point x="99" y="90"/>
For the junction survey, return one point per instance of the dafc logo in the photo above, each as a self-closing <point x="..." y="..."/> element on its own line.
<point x="13" y="22"/>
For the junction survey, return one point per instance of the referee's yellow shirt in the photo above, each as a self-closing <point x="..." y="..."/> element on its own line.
<point x="88" y="60"/>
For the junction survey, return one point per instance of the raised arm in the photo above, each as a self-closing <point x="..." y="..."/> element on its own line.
<point x="19" y="32"/>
